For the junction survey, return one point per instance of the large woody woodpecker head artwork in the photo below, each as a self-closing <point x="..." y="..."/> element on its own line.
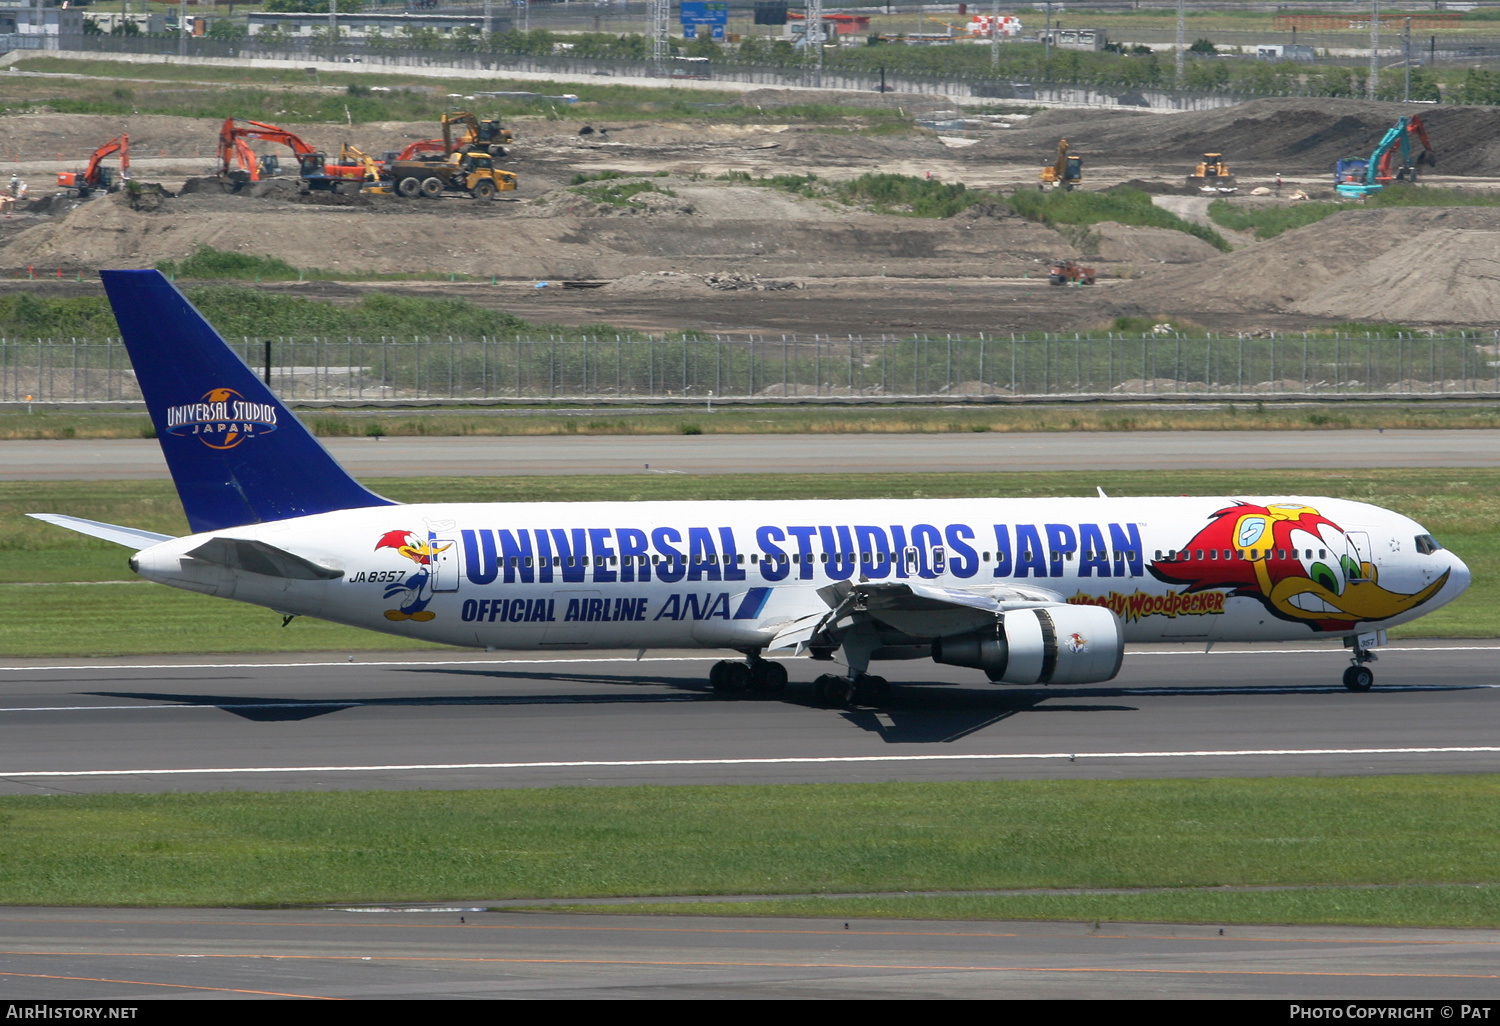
<point x="1299" y="564"/>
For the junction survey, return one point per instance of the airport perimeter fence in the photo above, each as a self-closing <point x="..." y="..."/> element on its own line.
<point x="773" y="368"/>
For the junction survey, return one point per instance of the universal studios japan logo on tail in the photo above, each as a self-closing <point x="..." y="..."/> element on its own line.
<point x="222" y="419"/>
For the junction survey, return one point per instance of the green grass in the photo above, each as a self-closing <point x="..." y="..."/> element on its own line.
<point x="1407" y="833"/>
<point x="48" y="575"/>
<point x="1269" y="222"/>
<point x="758" y="419"/>
<point x="901" y="195"/>
<point x="1119" y="204"/>
<point x="619" y="194"/>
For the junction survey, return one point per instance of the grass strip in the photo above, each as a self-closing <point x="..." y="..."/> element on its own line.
<point x="773" y="420"/>
<point x="304" y="847"/>
<point x="1120" y="204"/>
<point x="44" y="605"/>
<point x="1269" y="222"/>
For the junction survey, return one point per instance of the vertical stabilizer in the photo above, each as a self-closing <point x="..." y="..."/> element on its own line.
<point x="236" y="454"/>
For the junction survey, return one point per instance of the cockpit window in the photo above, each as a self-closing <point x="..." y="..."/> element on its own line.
<point x="1427" y="545"/>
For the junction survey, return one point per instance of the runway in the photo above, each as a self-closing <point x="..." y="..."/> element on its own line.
<point x="475" y="722"/>
<point x="472" y="456"/>
<point x="128" y="954"/>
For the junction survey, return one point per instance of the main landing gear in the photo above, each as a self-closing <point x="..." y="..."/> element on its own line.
<point x="760" y="676"/>
<point x="833" y="691"/>
<point x="1359" y="677"/>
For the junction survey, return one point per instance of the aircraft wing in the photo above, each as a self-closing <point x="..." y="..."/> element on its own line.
<point x="131" y="537"/>
<point x="918" y="610"/>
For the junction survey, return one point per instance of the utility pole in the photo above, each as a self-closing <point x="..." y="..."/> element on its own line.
<point x="1407" y="62"/>
<point x="1374" y="49"/>
<point x="815" y="38"/>
<point x="181" y="27"/>
<point x="1047" y="37"/>
<point x="333" y="22"/>
<point x="995" y="39"/>
<point x="489" y="19"/>
<point x="1181" y="42"/>
<point x="657" y="12"/>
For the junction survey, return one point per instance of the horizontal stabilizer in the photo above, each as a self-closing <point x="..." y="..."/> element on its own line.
<point x="130" y="537"/>
<point x="257" y="557"/>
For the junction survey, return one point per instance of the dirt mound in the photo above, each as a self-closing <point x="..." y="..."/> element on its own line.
<point x="1296" y="135"/>
<point x="1120" y="243"/>
<point x="1294" y="268"/>
<point x="1447" y="275"/>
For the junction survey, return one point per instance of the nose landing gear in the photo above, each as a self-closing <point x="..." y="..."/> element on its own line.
<point x="1359" y="677"/>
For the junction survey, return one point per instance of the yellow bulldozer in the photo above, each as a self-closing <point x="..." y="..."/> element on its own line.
<point x="1212" y="175"/>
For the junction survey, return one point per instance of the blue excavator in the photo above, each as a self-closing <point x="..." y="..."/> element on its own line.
<point x="1357" y="177"/>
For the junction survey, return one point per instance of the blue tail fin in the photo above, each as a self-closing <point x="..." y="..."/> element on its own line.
<point x="237" y="455"/>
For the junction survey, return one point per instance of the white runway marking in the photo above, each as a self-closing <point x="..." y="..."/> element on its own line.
<point x="790" y="761"/>
<point x="1194" y="651"/>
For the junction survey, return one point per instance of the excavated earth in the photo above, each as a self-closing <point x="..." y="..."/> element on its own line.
<point x="712" y="253"/>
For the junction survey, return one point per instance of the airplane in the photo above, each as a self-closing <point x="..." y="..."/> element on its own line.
<point x="1027" y="591"/>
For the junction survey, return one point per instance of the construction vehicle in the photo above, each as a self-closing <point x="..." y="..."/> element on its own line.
<point x="98" y="178"/>
<point x="375" y="178"/>
<point x="473" y="173"/>
<point x="1064" y="172"/>
<point x="489" y="136"/>
<point x="239" y="166"/>
<point x="426" y="149"/>
<point x="1070" y="272"/>
<point x="1212" y="175"/>
<point x="1356" y="177"/>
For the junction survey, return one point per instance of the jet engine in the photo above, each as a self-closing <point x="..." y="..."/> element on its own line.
<point x="1050" y="645"/>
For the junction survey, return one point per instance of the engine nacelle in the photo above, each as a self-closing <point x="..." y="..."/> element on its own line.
<point x="1051" y="645"/>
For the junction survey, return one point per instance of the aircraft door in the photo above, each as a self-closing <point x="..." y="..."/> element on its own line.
<point x="444" y="566"/>
<point x="910" y="559"/>
<point x="939" y="561"/>
<point x="1360" y="553"/>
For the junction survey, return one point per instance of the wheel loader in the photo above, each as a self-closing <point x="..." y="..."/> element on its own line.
<point x="1212" y="175"/>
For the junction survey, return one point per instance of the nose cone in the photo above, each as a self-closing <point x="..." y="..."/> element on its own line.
<point x="1458" y="577"/>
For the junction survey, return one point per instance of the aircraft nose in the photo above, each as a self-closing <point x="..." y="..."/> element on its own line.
<point x="1458" y="576"/>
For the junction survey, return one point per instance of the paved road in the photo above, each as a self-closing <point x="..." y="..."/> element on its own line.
<point x="129" y="954"/>
<point x="490" y="722"/>
<point x="807" y="454"/>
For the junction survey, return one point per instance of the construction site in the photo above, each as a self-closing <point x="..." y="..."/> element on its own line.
<point x="730" y="225"/>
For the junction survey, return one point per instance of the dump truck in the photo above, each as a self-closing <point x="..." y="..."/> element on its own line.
<point x="1070" y="272"/>
<point x="473" y="173"/>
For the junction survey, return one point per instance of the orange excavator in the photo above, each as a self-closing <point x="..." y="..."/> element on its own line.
<point x="238" y="164"/>
<point x="97" y="178"/>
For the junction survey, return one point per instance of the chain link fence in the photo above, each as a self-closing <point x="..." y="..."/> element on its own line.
<point x="774" y="367"/>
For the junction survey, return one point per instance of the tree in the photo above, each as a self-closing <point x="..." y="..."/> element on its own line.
<point x="1202" y="46"/>
<point x="226" y="31"/>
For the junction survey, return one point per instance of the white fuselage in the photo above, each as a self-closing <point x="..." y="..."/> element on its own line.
<point x="730" y="574"/>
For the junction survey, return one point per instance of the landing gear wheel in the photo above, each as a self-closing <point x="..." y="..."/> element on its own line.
<point x="432" y="188"/>
<point x="483" y="189"/>
<point x="729" y="677"/>
<point x="767" y="677"/>
<point x="1359" y="678"/>
<point x="870" y="690"/>
<point x="832" y="691"/>
<point x="411" y="188"/>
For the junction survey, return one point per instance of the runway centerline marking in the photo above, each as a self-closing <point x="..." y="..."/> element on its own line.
<point x="782" y="761"/>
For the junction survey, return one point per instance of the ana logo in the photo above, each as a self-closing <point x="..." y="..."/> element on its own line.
<point x="222" y="420"/>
